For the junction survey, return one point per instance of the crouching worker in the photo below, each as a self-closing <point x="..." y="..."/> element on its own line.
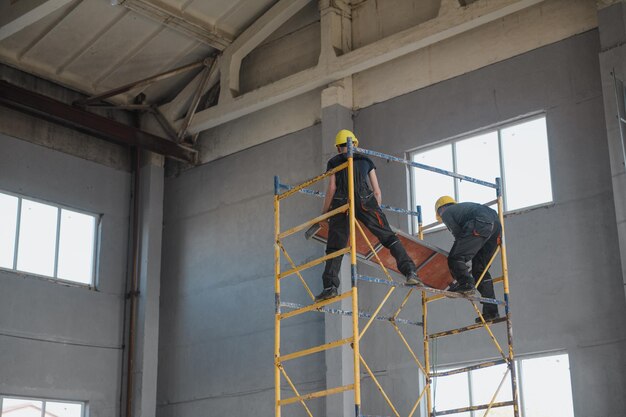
<point x="476" y="230"/>
<point x="367" y="210"/>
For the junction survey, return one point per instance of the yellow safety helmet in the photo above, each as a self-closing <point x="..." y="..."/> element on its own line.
<point x="342" y="138"/>
<point x="442" y="201"/>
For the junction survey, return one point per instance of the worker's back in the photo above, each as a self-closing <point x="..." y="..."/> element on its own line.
<point x="455" y="216"/>
<point x="362" y="168"/>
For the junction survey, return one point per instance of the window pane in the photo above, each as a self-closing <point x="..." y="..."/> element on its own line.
<point x="478" y="157"/>
<point x="547" y="387"/>
<point x="429" y="186"/>
<point x="451" y="392"/>
<point x="526" y="164"/>
<point x="63" y="409"/>
<point x="76" y="247"/>
<point x="37" y="241"/>
<point x="485" y="382"/>
<point x="8" y="223"/>
<point x="13" y="407"/>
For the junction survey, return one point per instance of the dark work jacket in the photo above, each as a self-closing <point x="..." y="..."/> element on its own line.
<point x="463" y="219"/>
<point x="362" y="167"/>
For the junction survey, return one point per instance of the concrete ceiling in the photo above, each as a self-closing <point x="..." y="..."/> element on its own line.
<point x="97" y="45"/>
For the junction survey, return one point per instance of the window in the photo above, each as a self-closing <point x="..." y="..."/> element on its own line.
<point x="517" y="153"/>
<point x="544" y="384"/>
<point x="48" y="240"/>
<point x="28" y="407"/>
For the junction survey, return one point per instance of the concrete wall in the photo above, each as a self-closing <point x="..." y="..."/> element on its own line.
<point x="217" y="290"/>
<point x="216" y="306"/>
<point x="373" y="20"/>
<point x="566" y="285"/>
<point x="293" y="47"/>
<point x="58" y="341"/>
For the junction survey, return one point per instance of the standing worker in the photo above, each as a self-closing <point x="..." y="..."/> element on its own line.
<point x="367" y="209"/>
<point x="477" y="232"/>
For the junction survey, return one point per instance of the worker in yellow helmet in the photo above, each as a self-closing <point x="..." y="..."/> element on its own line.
<point x="367" y="210"/>
<point x="476" y="229"/>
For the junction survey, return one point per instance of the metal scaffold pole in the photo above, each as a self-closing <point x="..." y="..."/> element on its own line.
<point x="276" y="297"/>
<point x="505" y="276"/>
<point x="353" y="273"/>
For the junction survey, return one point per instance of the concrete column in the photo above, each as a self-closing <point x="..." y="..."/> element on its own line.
<point x="339" y="362"/>
<point x="612" y="27"/>
<point x="147" y="331"/>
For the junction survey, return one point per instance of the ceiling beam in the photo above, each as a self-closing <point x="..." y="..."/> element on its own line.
<point x="453" y="20"/>
<point x="92" y="124"/>
<point x="17" y="15"/>
<point x="252" y="37"/>
<point x="176" y="20"/>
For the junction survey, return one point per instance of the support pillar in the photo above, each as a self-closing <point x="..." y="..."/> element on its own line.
<point x="612" y="27"/>
<point x="339" y="362"/>
<point x="145" y="363"/>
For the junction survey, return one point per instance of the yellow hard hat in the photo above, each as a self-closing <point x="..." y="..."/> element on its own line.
<point x="342" y="138"/>
<point x="442" y="201"/>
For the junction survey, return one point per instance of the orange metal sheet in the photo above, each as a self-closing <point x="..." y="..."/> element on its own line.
<point x="431" y="262"/>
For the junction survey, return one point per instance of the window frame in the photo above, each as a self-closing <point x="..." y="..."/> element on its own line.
<point x="496" y="128"/>
<point x="83" y="404"/>
<point x="519" y="372"/>
<point x="96" y="242"/>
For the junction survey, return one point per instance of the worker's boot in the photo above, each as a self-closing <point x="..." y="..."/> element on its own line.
<point x="489" y="314"/>
<point x="413" y="280"/>
<point x="327" y="293"/>
<point x="463" y="287"/>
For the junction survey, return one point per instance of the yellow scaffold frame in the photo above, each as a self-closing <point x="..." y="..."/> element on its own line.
<point x="428" y="295"/>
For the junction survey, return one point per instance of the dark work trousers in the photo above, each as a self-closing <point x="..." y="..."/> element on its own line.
<point x="477" y="244"/>
<point x="370" y="214"/>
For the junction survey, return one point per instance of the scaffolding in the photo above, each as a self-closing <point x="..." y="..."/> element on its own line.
<point x="285" y="310"/>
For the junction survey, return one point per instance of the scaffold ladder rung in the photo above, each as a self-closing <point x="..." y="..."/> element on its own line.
<point x="317" y="394"/>
<point x="468" y="368"/>
<point x="315" y="349"/>
<point x="466" y="328"/>
<point x="314" y="262"/>
<point x="473" y="408"/>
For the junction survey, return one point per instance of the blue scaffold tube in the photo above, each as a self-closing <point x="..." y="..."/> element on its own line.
<point x="425" y="167"/>
<point x="322" y="195"/>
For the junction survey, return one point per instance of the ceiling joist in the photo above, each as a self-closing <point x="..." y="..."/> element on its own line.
<point x="15" y="16"/>
<point x="210" y="36"/>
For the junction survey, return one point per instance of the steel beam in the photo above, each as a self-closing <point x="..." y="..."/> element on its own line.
<point x="90" y="123"/>
<point x="141" y="83"/>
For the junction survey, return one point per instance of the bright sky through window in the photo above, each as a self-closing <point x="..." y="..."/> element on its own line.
<point x="544" y="384"/>
<point x="8" y="224"/>
<point x="24" y="407"/>
<point x="517" y="153"/>
<point x="38" y="228"/>
<point x="46" y="239"/>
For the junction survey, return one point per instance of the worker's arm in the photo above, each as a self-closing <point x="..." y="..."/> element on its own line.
<point x="375" y="187"/>
<point x="330" y="193"/>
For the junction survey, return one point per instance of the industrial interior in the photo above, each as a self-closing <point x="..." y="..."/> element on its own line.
<point x="303" y="208"/>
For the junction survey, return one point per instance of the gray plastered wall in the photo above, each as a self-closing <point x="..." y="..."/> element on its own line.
<point x="566" y="287"/>
<point x="564" y="260"/>
<point x="58" y="341"/>
<point x="217" y="293"/>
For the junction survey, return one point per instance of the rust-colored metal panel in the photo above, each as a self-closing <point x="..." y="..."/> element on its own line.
<point x="431" y="262"/>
